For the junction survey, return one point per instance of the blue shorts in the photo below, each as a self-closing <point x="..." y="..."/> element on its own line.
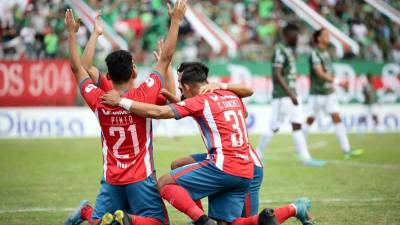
<point x="252" y="197"/>
<point x="226" y="193"/>
<point x="140" y="198"/>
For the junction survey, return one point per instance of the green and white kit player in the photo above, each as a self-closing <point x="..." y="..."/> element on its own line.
<point x="285" y="102"/>
<point x="322" y="93"/>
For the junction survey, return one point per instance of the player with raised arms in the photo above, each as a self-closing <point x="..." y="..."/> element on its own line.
<point x="322" y="93"/>
<point x="126" y="138"/>
<point x="85" y="211"/>
<point x="285" y="102"/>
<point x="226" y="175"/>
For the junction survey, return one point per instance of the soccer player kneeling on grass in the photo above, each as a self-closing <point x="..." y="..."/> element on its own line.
<point x="128" y="168"/>
<point x="226" y="176"/>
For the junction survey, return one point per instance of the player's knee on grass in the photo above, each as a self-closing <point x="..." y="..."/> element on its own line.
<point x="336" y="118"/>
<point x="296" y="126"/>
<point x="182" y="162"/>
<point x="310" y="120"/>
<point x="165" y="180"/>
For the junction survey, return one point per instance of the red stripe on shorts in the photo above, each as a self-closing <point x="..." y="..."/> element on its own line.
<point x="190" y="168"/>
<point x="247" y="205"/>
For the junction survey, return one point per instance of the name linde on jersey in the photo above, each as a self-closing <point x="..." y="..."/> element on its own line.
<point x="124" y="165"/>
<point x="227" y="101"/>
<point x="120" y="117"/>
<point x="242" y="156"/>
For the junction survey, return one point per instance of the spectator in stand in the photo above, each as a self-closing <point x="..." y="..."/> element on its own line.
<point x="28" y="37"/>
<point x="51" y="42"/>
<point x="254" y="25"/>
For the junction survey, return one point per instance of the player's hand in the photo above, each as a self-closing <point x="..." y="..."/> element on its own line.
<point x="70" y="23"/>
<point x="111" y="98"/>
<point x="160" y="46"/>
<point x="210" y="88"/>
<point x="97" y="27"/>
<point x="179" y="10"/>
<point x="344" y="84"/>
<point x="293" y="97"/>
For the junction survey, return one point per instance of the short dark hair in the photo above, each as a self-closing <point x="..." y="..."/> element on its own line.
<point x="290" y="28"/>
<point x="193" y="72"/>
<point x="120" y="66"/>
<point x="316" y="35"/>
<point x="185" y="65"/>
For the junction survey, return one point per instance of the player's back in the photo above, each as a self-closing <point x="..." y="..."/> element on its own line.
<point x="224" y="130"/>
<point x="126" y="138"/>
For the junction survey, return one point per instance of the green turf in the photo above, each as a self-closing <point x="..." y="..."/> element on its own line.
<point x="51" y="175"/>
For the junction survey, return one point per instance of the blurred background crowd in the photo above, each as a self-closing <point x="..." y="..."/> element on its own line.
<point x="253" y="24"/>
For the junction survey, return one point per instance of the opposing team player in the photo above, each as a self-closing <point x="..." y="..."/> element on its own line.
<point x="322" y="94"/>
<point x="227" y="173"/>
<point x="126" y="138"/>
<point x="285" y="102"/>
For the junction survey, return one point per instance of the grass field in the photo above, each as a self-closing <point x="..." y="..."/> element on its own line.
<point x="42" y="180"/>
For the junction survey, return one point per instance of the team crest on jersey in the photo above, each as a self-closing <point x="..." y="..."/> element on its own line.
<point x="181" y="103"/>
<point x="150" y="82"/>
<point x="214" y="98"/>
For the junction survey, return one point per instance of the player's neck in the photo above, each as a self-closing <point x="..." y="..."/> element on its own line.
<point x="322" y="47"/>
<point x="122" y="88"/>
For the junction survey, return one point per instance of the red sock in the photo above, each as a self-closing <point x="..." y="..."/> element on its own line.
<point x="198" y="203"/>
<point x="178" y="197"/>
<point x="284" y="213"/>
<point x="94" y="222"/>
<point x="252" y="220"/>
<point x="138" y="220"/>
<point x="86" y="213"/>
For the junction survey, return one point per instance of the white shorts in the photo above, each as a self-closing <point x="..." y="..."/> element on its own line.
<point x="323" y="103"/>
<point x="283" y="108"/>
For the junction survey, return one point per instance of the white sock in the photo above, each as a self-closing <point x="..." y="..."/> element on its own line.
<point x="306" y="128"/>
<point x="301" y="145"/>
<point x="341" y="135"/>
<point x="264" y="140"/>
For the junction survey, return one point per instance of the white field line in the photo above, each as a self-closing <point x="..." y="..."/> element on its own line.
<point x="323" y="200"/>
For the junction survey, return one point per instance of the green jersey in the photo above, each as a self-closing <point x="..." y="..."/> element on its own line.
<point x="369" y="94"/>
<point x="284" y="57"/>
<point x="320" y="86"/>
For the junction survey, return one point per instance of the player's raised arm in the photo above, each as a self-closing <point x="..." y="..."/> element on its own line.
<point x="72" y="27"/>
<point x="177" y="14"/>
<point x="169" y="76"/>
<point x="141" y="109"/>
<point x="172" y="98"/>
<point x="241" y="90"/>
<point x="90" y="49"/>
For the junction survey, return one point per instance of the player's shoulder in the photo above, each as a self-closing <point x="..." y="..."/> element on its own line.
<point x="220" y="95"/>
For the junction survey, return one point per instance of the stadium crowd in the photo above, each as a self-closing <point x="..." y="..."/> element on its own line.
<point x="38" y="31"/>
